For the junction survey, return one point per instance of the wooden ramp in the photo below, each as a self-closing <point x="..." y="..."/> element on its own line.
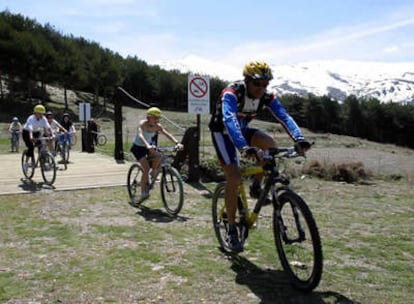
<point x="85" y="170"/>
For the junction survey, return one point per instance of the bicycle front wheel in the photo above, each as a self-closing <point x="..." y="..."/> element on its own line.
<point x="61" y="155"/>
<point x="29" y="168"/>
<point x="48" y="168"/>
<point x="134" y="183"/>
<point x="66" y="151"/>
<point x="298" y="242"/>
<point x="172" y="190"/>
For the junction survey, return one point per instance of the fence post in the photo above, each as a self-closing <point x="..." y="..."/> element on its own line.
<point x="190" y="141"/>
<point x="119" y="150"/>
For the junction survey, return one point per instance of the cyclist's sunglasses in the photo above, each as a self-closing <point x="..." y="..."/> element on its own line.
<point x="258" y="83"/>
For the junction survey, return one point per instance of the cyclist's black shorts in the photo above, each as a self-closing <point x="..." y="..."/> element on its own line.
<point x="225" y="149"/>
<point x="139" y="151"/>
<point x="28" y="142"/>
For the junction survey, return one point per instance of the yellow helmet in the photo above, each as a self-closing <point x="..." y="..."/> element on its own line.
<point x="257" y="70"/>
<point x="154" y="111"/>
<point x="39" y="109"/>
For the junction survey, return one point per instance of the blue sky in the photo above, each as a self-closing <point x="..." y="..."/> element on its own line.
<point x="233" y="32"/>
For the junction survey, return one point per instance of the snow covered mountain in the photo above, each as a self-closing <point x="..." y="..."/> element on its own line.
<point x="338" y="79"/>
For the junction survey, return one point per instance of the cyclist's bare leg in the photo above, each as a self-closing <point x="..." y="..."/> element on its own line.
<point x="233" y="180"/>
<point x="50" y="144"/>
<point x="263" y="141"/>
<point x="145" y="168"/>
<point x="155" y="159"/>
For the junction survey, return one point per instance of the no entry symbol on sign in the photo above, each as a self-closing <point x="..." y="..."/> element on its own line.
<point x="198" y="87"/>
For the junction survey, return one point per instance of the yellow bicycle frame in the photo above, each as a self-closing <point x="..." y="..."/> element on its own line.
<point x="250" y="217"/>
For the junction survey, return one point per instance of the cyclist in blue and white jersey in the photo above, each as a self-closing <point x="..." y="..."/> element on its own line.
<point x="238" y="104"/>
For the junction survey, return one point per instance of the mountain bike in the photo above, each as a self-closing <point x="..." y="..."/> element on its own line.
<point x="171" y="183"/>
<point x="295" y="232"/>
<point x="44" y="160"/>
<point x="14" y="141"/>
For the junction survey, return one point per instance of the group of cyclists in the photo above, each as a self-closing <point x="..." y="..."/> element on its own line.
<point x="42" y="123"/>
<point x="238" y="104"/>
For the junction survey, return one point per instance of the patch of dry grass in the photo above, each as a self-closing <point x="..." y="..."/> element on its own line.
<point x="347" y="172"/>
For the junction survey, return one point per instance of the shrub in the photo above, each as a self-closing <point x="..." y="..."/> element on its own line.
<point x="211" y="171"/>
<point x="347" y="172"/>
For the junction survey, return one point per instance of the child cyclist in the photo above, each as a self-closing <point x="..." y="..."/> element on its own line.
<point x="144" y="145"/>
<point x="67" y="125"/>
<point x="56" y="128"/>
<point x="32" y="129"/>
<point x="15" y="128"/>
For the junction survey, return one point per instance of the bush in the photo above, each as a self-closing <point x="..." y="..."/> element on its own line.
<point x="211" y="171"/>
<point x="346" y="172"/>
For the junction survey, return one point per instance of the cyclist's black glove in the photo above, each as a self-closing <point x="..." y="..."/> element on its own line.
<point x="248" y="151"/>
<point x="302" y="145"/>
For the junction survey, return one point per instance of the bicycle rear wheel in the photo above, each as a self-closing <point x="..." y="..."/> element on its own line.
<point x="134" y="184"/>
<point x="220" y="223"/>
<point x="172" y="191"/>
<point x="298" y="242"/>
<point x="29" y="171"/>
<point x="48" y="168"/>
<point x="101" y="140"/>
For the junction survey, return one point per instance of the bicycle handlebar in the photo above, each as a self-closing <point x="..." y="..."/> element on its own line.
<point x="287" y="152"/>
<point x="44" y="138"/>
<point x="167" y="149"/>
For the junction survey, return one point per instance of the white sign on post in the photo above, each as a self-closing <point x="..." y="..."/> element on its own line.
<point x="84" y="111"/>
<point x="198" y="94"/>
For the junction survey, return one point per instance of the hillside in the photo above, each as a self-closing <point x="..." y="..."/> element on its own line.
<point x="380" y="159"/>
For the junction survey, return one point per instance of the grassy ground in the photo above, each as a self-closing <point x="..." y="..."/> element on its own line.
<point x="93" y="247"/>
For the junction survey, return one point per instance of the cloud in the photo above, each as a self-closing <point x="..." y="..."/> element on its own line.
<point x="391" y="49"/>
<point x="149" y="47"/>
<point x="113" y="9"/>
<point x="351" y="42"/>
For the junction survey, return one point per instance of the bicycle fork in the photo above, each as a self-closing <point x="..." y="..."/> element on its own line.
<point x="168" y="180"/>
<point x="301" y="236"/>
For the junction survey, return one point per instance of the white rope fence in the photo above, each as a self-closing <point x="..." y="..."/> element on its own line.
<point x="148" y="106"/>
